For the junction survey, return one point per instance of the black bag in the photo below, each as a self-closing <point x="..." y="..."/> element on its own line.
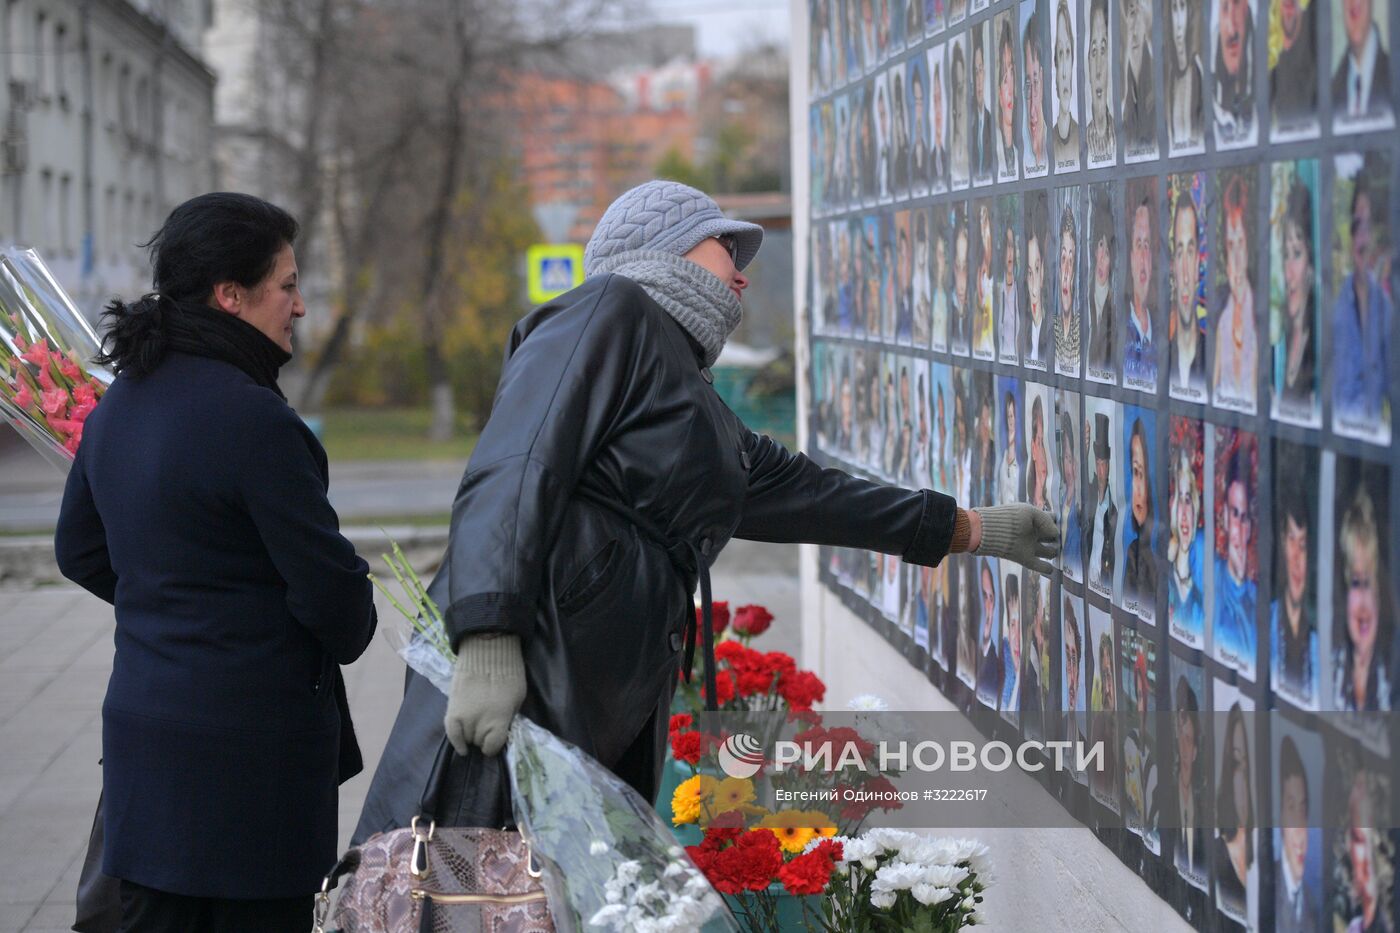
<point x="99" y="896"/>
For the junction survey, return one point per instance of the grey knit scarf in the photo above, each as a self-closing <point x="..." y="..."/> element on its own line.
<point x="690" y="293"/>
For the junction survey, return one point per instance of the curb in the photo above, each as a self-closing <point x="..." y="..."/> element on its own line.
<point x="29" y="560"/>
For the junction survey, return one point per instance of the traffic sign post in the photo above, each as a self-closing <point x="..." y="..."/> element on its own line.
<point x="553" y="269"/>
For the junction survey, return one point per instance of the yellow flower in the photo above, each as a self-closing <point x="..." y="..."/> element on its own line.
<point x="732" y="793"/>
<point x="796" y="828"/>
<point x="689" y="797"/>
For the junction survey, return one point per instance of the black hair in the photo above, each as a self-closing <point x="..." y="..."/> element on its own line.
<point x="1227" y="809"/>
<point x="1290" y="764"/>
<point x="1299" y="212"/>
<point x="212" y="238"/>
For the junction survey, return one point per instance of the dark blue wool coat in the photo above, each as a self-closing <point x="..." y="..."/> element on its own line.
<point x="197" y="507"/>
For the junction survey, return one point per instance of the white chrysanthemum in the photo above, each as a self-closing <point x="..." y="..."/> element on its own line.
<point x="930" y="894"/>
<point x="882" y="900"/>
<point x="675" y="852"/>
<point x="857" y="850"/>
<point x="890" y="839"/>
<point x="867" y="702"/>
<point x="946" y="876"/>
<point x="599" y="847"/>
<point x="673" y="869"/>
<point x="609" y="916"/>
<point x="898" y="876"/>
<point x="968" y="904"/>
<point x="628" y="871"/>
<point x="650" y="891"/>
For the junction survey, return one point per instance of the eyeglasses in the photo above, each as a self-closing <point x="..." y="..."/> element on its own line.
<point x="731" y="245"/>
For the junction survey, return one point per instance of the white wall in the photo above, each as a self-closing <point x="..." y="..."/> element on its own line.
<point x="1045" y="880"/>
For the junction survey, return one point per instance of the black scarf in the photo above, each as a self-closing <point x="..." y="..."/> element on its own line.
<point x="142" y="333"/>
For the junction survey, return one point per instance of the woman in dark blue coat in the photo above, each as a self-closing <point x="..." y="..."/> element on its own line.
<point x="197" y="507"/>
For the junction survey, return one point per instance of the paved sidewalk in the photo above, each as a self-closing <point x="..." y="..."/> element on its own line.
<point x="55" y="658"/>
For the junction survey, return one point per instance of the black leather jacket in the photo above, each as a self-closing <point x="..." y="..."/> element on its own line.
<point x="602" y="387"/>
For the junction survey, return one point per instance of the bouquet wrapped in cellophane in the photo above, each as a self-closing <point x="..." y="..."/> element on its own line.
<point x="48" y="382"/>
<point x="420" y="638"/>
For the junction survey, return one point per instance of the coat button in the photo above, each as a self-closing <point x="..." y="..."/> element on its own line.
<point x="707" y="375"/>
<point x="675" y="641"/>
<point x="744" y="459"/>
<point x="704" y="547"/>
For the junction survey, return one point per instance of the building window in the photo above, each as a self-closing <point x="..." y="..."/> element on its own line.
<point x="60" y="64"/>
<point x="65" y="214"/>
<point x="41" y="37"/>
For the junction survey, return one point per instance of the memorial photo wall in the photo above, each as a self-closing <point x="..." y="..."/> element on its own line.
<point x="1133" y="262"/>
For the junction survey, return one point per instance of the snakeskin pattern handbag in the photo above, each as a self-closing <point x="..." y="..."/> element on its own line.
<point x="437" y="879"/>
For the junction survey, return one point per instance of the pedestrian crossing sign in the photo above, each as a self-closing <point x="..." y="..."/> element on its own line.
<point x="554" y="268"/>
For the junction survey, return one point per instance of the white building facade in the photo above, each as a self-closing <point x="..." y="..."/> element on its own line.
<point x="106" y="114"/>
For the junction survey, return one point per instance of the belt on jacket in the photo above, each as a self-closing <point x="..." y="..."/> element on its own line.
<point x="690" y="563"/>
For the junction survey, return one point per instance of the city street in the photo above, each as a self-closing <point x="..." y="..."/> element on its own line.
<point x="55" y="656"/>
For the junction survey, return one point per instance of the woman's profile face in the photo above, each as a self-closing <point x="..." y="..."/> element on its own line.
<point x="274" y="303"/>
<point x="1181" y="13"/>
<point x="1098" y="65"/>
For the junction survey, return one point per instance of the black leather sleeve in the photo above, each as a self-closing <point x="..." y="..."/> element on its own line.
<point x="569" y="372"/>
<point x="792" y="499"/>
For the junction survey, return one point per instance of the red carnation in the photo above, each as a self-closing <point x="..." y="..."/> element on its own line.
<point x="809" y="873"/>
<point x="681" y="721"/>
<point x="752" y="620"/>
<point x="735" y="653"/>
<point x="801" y="689"/>
<point x="752" y="861"/>
<point x="752" y="683"/>
<point x="685" y="746"/>
<point x="725" y="687"/>
<point x="779" y="662"/>
<point x="719" y="617"/>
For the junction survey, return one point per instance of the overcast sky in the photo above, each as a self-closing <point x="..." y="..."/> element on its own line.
<point x="728" y="26"/>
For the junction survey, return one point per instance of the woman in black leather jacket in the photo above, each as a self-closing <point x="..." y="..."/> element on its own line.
<point x="607" y="480"/>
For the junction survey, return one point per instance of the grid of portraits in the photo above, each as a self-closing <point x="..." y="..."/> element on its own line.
<point x="1132" y="262"/>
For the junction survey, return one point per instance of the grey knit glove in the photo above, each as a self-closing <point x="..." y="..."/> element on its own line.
<point x="1020" y="532"/>
<point x="488" y="686"/>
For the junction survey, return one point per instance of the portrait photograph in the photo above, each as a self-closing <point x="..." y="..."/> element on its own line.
<point x="1103" y="471"/>
<point x="1035" y="141"/>
<point x="867" y="281"/>
<point x="826" y="394"/>
<point x="1361" y="95"/>
<point x="891" y="436"/>
<point x="943" y="621"/>
<point x="888" y="277"/>
<point x="844" y="172"/>
<point x="1188" y="323"/>
<point x="980" y="5"/>
<point x="1363" y="591"/>
<point x="819" y="117"/>
<point x="1138" y="80"/>
<point x="1011" y="644"/>
<point x="961" y="291"/>
<point x="935" y="15"/>
<point x="1235" y="850"/>
<point x="1297" y="776"/>
<point x="1073" y="682"/>
<point x="845" y="404"/>
<point x="921" y="590"/>
<point x="903" y="279"/>
<point x="869" y="152"/>
<point x="1234" y="384"/>
<point x="1232" y="45"/>
<point x="1006" y="254"/>
<point x="1362" y="306"/>
<point x="1141" y="326"/>
<point x="1037" y="341"/>
<point x="869" y="52"/>
<point x="1069" y="503"/>
<point x="1294" y="68"/>
<point x="1040" y="455"/>
<point x="929" y="249"/>
<point x="939" y="280"/>
<point x="1068" y="277"/>
<point x="1037" y="637"/>
<point x="1064" y="35"/>
<point x="1006" y="79"/>
<point x="870" y="422"/>
<point x="985" y="453"/>
<point x="823" y="268"/>
<point x="897" y="13"/>
<point x="957" y="11"/>
<point x="940" y="90"/>
<point x="901" y="146"/>
<point x="963" y="428"/>
<point x="1140" y="531"/>
<point x="1144" y="770"/>
<point x="1099" y="134"/>
<point x="1011" y="451"/>
<point x="820" y="55"/>
<point x="1184" y="76"/>
<point x="1186" y="789"/>
<point x="985" y="275"/>
<point x="943" y="454"/>
<point x="905" y="449"/>
<point x="884" y="139"/>
<point x="1295" y="286"/>
<point x="1189" y="499"/>
<point x="916" y="89"/>
<point x="1104" y="706"/>
<point x="959" y="121"/>
<point x="991" y="667"/>
<point x="1234" y="616"/>
<point x="1295" y="661"/>
<point x="982" y="129"/>
<point x="884" y="23"/>
<point x="1361" y="885"/>
<point x="1103" y="285"/>
<point x="847" y="286"/>
<point x="920" y="474"/>
<point x="891" y="590"/>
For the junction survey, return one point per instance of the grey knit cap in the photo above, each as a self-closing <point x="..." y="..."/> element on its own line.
<point x="669" y="217"/>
